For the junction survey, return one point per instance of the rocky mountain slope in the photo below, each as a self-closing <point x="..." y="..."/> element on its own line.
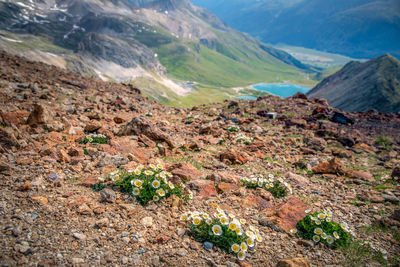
<point x="374" y="84"/>
<point x="166" y="43"/>
<point x="358" y="28"/>
<point x="49" y="215"/>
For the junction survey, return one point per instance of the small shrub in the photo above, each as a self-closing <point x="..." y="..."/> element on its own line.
<point x="225" y="232"/>
<point x="383" y="142"/>
<point x="243" y="138"/>
<point x="148" y="184"/>
<point x="220" y="142"/>
<point x="95" y="139"/>
<point x="98" y="187"/>
<point x="277" y="187"/>
<point x="320" y="227"/>
<point x="233" y="129"/>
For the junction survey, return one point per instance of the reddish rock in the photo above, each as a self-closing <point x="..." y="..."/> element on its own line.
<point x="294" y="262"/>
<point x="75" y="152"/>
<point x="185" y="171"/>
<point x="92" y="126"/>
<point x="39" y="115"/>
<point x="40" y="199"/>
<point x="364" y="147"/>
<point x="141" y="125"/>
<point x="7" y="138"/>
<point x="63" y="156"/>
<point x="16" y="118"/>
<point x="227" y="187"/>
<point x="89" y="181"/>
<point x="118" y="120"/>
<point x="203" y="188"/>
<point x="333" y="166"/>
<point x="396" y="172"/>
<point x="162" y="239"/>
<point x="244" y="263"/>
<point x="300" y="95"/>
<point x="256" y="202"/>
<point x="295" y="179"/>
<point x="296" y="122"/>
<point x="286" y="215"/>
<point x="366" y="176"/>
<point x="341" y="153"/>
<point x="84" y="210"/>
<point x="232" y="157"/>
<point x="123" y="145"/>
<point x="26" y="186"/>
<point x="147" y="141"/>
<point x="78" y="201"/>
<point x="52" y="138"/>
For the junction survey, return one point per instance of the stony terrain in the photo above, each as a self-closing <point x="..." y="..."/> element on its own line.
<point x="49" y="215"/>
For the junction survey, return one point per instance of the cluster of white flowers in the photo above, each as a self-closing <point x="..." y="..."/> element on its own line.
<point x="380" y="250"/>
<point x="267" y="183"/>
<point x="242" y="137"/>
<point x="90" y="137"/>
<point x="232" y="225"/>
<point x="157" y="176"/>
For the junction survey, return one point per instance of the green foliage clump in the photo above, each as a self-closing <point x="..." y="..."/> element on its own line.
<point x="383" y="142"/>
<point x="148" y="184"/>
<point x="277" y="187"/>
<point x="98" y="187"/>
<point x="320" y="227"/>
<point x="233" y="129"/>
<point x="95" y="139"/>
<point x="361" y="253"/>
<point x="224" y="231"/>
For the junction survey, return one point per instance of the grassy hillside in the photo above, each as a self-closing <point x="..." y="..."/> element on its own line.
<point x="234" y="62"/>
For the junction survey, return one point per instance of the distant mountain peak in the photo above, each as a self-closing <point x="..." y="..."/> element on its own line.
<point x="374" y="84"/>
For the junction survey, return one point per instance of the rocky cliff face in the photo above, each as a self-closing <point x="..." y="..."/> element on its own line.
<point x="374" y="84"/>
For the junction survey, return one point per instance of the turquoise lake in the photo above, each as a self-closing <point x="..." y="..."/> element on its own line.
<point x="281" y="89"/>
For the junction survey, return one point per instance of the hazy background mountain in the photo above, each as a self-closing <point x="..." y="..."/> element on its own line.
<point x="167" y="47"/>
<point x="374" y="84"/>
<point x="356" y="28"/>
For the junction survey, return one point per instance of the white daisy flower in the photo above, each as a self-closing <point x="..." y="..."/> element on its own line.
<point x="243" y="246"/>
<point x="329" y="239"/>
<point x="155" y="184"/>
<point x="316" y="238"/>
<point x="135" y="191"/>
<point x="217" y="230"/>
<point x="250" y="242"/>
<point x="235" y="248"/>
<point x="241" y="255"/>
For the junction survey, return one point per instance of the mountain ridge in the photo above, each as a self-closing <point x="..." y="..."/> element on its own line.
<point x="374" y="84"/>
<point x="359" y="29"/>
<point x="139" y="39"/>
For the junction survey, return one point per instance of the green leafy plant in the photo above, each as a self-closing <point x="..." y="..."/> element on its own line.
<point x="85" y="151"/>
<point x="384" y="142"/>
<point x="95" y="138"/>
<point x="148" y="184"/>
<point x="233" y="129"/>
<point x="220" y="142"/>
<point x="98" y="187"/>
<point x="224" y="231"/>
<point x="320" y="227"/>
<point x="277" y="187"/>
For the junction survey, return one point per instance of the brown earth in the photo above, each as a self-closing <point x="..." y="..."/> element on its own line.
<point x="50" y="216"/>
